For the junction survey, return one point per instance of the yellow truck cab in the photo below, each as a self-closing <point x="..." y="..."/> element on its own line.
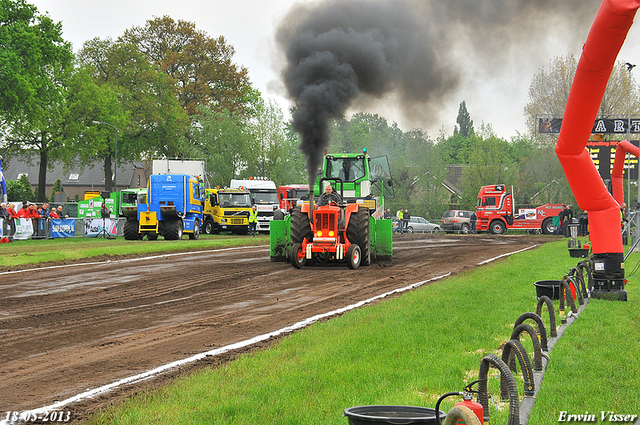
<point x="227" y="210"/>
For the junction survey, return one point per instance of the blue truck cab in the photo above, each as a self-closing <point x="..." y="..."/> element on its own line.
<point x="174" y="206"/>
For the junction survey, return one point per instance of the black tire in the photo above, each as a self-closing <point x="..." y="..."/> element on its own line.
<point x="296" y="256"/>
<point x="300" y="227"/>
<point x="409" y="229"/>
<point x="547" y="226"/>
<point x="464" y="229"/>
<point x="354" y="256"/>
<point x="173" y="230"/>
<point x="131" y="230"/>
<point x="497" y="227"/>
<point x="208" y="226"/>
<point x="278" y="215"/>
<point x="152" y="236"/>
<point x="196" y="231"/>
<point x="359" y="233"/>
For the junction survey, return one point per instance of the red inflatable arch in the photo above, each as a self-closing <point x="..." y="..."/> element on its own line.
<point x="618" y="169"/>
<point x="604" y="41"/>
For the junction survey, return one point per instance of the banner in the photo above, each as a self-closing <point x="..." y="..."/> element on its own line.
<point x="24" y="228"/>
<point x="63" y="228"/>
<point x="600" y="126"/>
<point x="94" y="227"/>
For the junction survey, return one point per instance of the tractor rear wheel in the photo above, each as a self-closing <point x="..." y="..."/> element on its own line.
<point x="354" y="256"/>
<point x="297" y="257"/>
<point x="173" y="230"/>
<point x="300" y="227"/>
<point x="131" y="232"/>
<point x="359" y="233"/>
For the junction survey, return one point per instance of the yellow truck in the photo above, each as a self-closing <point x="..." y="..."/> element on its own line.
<point x="227" y="210"/>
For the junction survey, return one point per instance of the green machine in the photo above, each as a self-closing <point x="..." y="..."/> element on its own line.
<point x="311" y="233"/>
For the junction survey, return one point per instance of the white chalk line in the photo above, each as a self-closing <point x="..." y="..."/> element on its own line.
<point x="507" y="254"/>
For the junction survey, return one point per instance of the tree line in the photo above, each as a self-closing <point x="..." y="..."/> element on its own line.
<point x="172" y="90"/>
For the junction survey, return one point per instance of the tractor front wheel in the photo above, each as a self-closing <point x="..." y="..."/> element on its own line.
<point x="354" y="256"/>
<point x="297" y="256"/>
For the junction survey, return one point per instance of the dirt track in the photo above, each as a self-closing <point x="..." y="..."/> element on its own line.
<point x="65" y="330"/>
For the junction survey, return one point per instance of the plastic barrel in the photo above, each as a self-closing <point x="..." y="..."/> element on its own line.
<point x="367" y="415"/>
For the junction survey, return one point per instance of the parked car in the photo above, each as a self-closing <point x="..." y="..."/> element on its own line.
<point x="456" y="221"/>
<point x="418" y="224"/>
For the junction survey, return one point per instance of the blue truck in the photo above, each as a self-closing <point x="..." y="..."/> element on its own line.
<point x="174" y="207"/>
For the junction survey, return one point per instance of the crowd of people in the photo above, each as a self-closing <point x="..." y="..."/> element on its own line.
<point x="30" y="210"/>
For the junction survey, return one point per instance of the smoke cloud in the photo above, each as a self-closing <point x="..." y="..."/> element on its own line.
<point x="345" y="53"/>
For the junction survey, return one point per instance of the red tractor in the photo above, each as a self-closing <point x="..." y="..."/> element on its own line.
<point x="338" y="231"/>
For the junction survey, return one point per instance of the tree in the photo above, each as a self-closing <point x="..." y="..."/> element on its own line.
<point x="20" y="190"/>
<point x="223" y="140"/>
<point x="31" y="52"/>
<point x="57" y="188"/>
<point x="549" y="92"/>
<point x="34" y="62"/>
<point x="136" y="97"/>
<point x="269" y="151"/>
<point x="201" y="66"/>
<point x="465" y="123"/>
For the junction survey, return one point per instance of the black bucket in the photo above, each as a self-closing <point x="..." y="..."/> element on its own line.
<point x="366" y="415"/>
<point x="579" y="252"/>
<point x="550" y="288"/>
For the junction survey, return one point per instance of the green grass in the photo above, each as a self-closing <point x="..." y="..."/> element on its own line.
<point x="411" y="349"/>
<point x="20" y="253"/>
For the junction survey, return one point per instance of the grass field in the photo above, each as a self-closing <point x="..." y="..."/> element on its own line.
<point x="411" y="349"/>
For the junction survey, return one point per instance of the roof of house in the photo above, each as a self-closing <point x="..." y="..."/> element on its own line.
<point x="76" y="176"/>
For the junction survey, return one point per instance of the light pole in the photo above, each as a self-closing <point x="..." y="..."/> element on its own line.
<point x="115" y="172"/>
<point x="630" y="66"/>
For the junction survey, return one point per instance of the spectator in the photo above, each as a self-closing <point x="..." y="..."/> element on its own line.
<point x="5" y="216"/>
<point x="583" y="220"/>
<point x="12" y="222"/>
<point x="406" y="218"/>
<point x="253" y="221"/>
<point x="23" y="211"/>
<point x="104" y="211"/>
<point x="472" y="220"/>
<point x="60" y="215"/>
<point x="568" y="217"/>
<point x="54" y="214"/>
<point x="32" y="212"/>
<point x="400" y="217"/>
<point x="44" y="210"/>
<point x="387" y="214"/>
<point x="559" y="230"/>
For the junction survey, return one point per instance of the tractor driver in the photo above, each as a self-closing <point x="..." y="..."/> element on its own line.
<point x="346" y="173"/>
<point x="329" y="196"/>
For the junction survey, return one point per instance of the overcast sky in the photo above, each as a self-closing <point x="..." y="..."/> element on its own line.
<point x="495" y="93"/>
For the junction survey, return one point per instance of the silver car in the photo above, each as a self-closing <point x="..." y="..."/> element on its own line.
<point x="420" y="225"/>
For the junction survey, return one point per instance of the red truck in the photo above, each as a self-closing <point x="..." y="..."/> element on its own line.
<point x="495" y="213"/>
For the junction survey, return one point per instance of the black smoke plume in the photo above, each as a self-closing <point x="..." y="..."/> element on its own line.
<point x="343" y="52"/>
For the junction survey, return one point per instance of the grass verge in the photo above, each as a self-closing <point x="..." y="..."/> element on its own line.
<point x="411" y="349"/>
<point x="21" y="253"/>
